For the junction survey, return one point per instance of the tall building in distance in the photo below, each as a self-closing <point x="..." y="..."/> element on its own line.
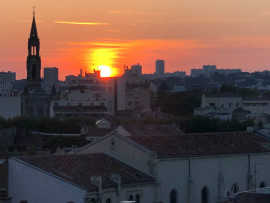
<point x="6" y="82"/>
<point x="51" y="76"/>
<point x="160" y="67"/>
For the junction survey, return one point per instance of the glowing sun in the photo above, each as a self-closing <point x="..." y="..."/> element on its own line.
<point x="105" y="71"/>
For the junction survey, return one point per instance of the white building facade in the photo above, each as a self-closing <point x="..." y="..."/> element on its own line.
<point x="206" y="177"/>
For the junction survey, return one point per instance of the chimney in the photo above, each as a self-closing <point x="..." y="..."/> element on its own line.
<point x="97" y="181"/>
<point x="116" y="178"/>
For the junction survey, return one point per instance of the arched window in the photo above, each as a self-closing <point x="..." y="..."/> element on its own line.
<point x="205" y="194"/>
<point x="137" y="198"/>
<point x="34" y="71"/>
<point x="173" y="197"/>
<point x="130" y="198"/>
<point x="262" y="184"/>
<point x="234" y="188"/>
<point x="108" y="200"/>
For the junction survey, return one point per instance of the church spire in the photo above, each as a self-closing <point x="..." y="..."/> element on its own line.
<point x="33" y="58"/>
<point x="34" y="27"/>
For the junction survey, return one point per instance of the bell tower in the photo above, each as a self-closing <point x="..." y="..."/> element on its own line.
<point x="33" y="59"/>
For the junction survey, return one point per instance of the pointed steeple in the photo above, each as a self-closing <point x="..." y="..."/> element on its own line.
<point x="34" y="27"/>
<point x="33" y="58"/>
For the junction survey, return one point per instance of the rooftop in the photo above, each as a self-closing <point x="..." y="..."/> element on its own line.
<point x="250" y="198"/>
<point x="38" y="91"/>
<point x="141" y="129"/>
<point x="79" y="168"/>
<point x="204" y="144"/>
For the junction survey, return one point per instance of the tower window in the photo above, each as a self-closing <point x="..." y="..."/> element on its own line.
<point x="33" y="50"/>
<point x="34" y="71"/>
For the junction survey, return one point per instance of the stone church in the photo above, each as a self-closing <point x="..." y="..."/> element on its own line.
<point x="35" y="100"/>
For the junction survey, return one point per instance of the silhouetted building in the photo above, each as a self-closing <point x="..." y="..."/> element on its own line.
<point x="33" y="58"/>
<point x="209" y="70"/>
<point x="160" y="67"/>
<point x="6" y="82"/>
<point x="136" y="69"/>
<point x="35" y="100"/>
<point x="51" y="76"/>
<point x="7" y="76"/>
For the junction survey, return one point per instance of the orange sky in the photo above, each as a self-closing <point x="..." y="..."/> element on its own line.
<point x="78" y="34"/>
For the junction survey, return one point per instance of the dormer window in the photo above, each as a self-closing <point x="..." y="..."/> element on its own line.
<point x="112" y="145"/>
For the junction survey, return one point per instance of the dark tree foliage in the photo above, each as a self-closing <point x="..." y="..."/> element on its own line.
<point x="181" y="103"/>
<point x="201" y="124"/>
<point x="61" y="142"/>
<point x="47" y="125"/>
<point x="244" y="92"/>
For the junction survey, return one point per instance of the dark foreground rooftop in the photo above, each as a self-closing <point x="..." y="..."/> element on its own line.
<point x="204" y="144"/>
<point x="250" y="198"/>
<point x="79" y="168"/>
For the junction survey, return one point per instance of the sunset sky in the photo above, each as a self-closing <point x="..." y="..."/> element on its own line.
<point x="187" y="34"/>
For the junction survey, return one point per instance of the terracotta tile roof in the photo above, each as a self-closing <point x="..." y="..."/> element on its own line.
<point x="141" y="129"/>
<point x="204" y="144"/>
<point x="79" y="168"/>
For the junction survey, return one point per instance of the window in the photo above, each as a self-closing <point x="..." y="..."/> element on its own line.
<point x="262" y="184"/>
<point x="236" y="104"/>
<point x="137" y="199"/>
<point x="34" y="71"/>
<point x="230" y="104"/>
<point x="23" y="201"/>
<point x="205" y="194"/>
<point x="212" y="104"/>
<point x="108" y="200"/>
<point x="130" y="198"/>
<point x="234" y="188"/>
<point x="173" y="197"/>
<point x="112" y="145"/>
